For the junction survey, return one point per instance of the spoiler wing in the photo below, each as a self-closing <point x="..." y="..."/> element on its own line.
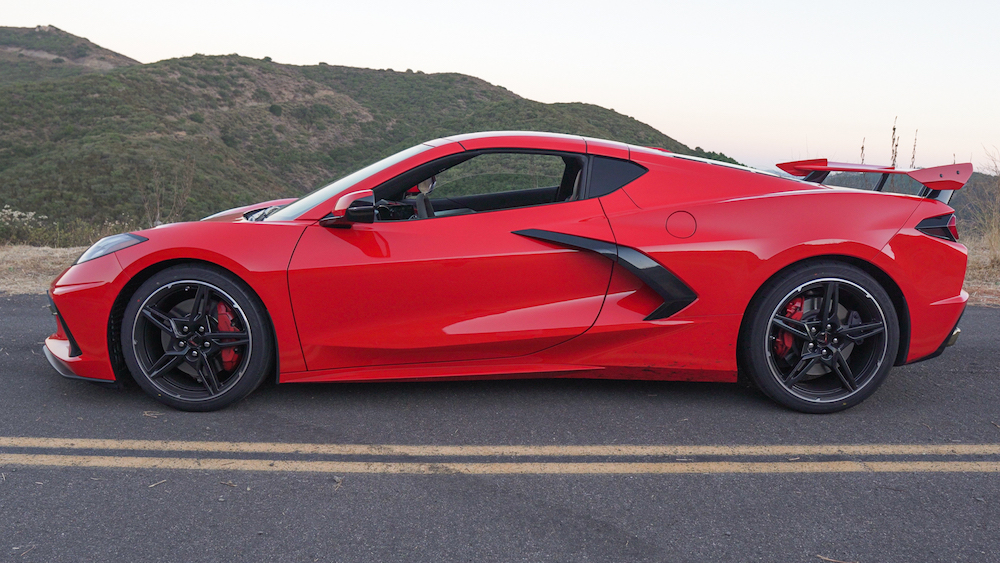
<point x="938" y="181"/>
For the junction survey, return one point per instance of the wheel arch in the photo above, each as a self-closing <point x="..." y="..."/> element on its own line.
<point x="115" y="353"/>
<point x="884" y="279"/>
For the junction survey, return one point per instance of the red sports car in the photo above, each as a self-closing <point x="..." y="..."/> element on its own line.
<point x="530" y="255"/>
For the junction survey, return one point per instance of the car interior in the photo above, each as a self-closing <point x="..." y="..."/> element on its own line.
<point x="479" y="181"/>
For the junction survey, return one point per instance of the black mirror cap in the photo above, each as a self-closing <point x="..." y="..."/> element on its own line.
<point x="360" y="214"/>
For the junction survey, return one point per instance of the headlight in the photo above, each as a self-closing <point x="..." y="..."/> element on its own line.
<point x="107" y="245"/>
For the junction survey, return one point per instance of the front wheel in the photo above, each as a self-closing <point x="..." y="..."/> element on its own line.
<point x="196" y="338"/>
<point x="822" y="337"/>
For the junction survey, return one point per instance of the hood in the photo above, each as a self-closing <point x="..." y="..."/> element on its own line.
<point x="238" y="213"/>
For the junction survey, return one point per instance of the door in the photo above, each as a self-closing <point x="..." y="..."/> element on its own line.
<point x="452" y="287"/>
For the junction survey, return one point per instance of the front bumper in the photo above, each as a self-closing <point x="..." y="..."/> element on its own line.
<point x="80" y="300"/>
<point x="59" y="365"/>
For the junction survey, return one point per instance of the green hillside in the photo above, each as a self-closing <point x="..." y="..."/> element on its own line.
<point x="183" y="138"/>
<point x="46" y="52"/>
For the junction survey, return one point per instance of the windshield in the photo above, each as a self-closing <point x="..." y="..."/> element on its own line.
<point x="319" y="195"/>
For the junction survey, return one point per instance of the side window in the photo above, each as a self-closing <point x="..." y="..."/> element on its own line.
<point x="485" y="181"/>
<point x="493" y="173"/>
<point x="609" y="174"/>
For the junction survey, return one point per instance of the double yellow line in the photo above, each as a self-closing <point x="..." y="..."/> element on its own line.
<point x="220" y="456"/>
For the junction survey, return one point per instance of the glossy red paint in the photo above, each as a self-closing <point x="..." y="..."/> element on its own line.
<point x="262" y="265"/>
<point x="804" y="167"/>
<point x="464" y="297"/>
<point x="237" y="212"/>
<point x="930" y="272"/>
<point x="84" y="296"/>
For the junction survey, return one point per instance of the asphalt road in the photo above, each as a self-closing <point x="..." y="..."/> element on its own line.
<point x="252" y="503"/>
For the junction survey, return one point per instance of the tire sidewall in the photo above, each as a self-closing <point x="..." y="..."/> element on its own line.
<point x="260" y="347"/>
<point x="770" y="298"/>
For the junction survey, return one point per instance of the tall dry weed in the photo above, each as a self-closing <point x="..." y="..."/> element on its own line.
<point x="984" y="209"/>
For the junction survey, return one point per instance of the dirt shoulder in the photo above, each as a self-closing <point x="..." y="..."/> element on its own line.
<point x="30" y="269"/>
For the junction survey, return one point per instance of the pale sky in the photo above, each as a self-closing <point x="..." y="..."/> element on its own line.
<point x="763" y="81"/>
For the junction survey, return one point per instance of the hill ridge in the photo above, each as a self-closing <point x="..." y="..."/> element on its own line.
<point x="182" y="138"/>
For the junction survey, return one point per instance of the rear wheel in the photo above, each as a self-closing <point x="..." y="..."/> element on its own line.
<point x="822" y="338"/>
<point x="196" y="338"/>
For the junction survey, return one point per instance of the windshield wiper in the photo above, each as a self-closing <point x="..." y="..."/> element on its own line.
<point x="264" y="213"/>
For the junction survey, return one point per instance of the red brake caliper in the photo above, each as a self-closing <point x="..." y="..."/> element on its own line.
<point x="784" y="341"/>
<point x="228" y="355"/>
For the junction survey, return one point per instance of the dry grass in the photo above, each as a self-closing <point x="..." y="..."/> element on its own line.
<point x="30" y="269"/>
<point x="982" y="279"/>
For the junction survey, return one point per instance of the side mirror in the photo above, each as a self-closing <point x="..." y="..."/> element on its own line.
<point x="352" y="207"/>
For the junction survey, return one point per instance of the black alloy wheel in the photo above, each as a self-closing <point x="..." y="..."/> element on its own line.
<point x="822" y="339"/>
<point x="195" y="338"/>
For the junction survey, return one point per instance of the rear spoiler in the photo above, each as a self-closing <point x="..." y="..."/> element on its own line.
<point x="939" y="182"/>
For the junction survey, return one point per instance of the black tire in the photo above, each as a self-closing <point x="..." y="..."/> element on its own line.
<point x="178" y="352"/>
<point x="821" y="337"/>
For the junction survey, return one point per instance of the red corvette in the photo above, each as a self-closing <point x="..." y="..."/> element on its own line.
<point x="530" y="255"/>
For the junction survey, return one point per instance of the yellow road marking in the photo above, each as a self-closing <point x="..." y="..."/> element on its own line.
<point x="215" y="464"/>
<point x="502" y="451"/>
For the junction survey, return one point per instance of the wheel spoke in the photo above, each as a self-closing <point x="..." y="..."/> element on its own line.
<point x="831" y="302"/>
<point x="795" y="327"/>
<point x="805" y="364"/>
<point x="228" y="339"/>
<point x="160" y="320"/>
<point x="860" y="332"/>
<point x="199" y="307"/>
<point x="167" y="362"/>
<point x="843" y="371"/>
<point x="208" y="377"/>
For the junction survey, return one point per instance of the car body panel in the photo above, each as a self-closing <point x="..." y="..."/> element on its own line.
<point x="236" y="213"/>
<point x="261" y="264"/>
<point x="746" y="234"/>
<point x="930" y="272"/>
<point x="455" y="288"/>
<point x="84" y="296"/>
<point x="465" y="296"/>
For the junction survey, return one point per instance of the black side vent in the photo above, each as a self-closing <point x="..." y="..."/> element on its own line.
<point x="675" y="293"/>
